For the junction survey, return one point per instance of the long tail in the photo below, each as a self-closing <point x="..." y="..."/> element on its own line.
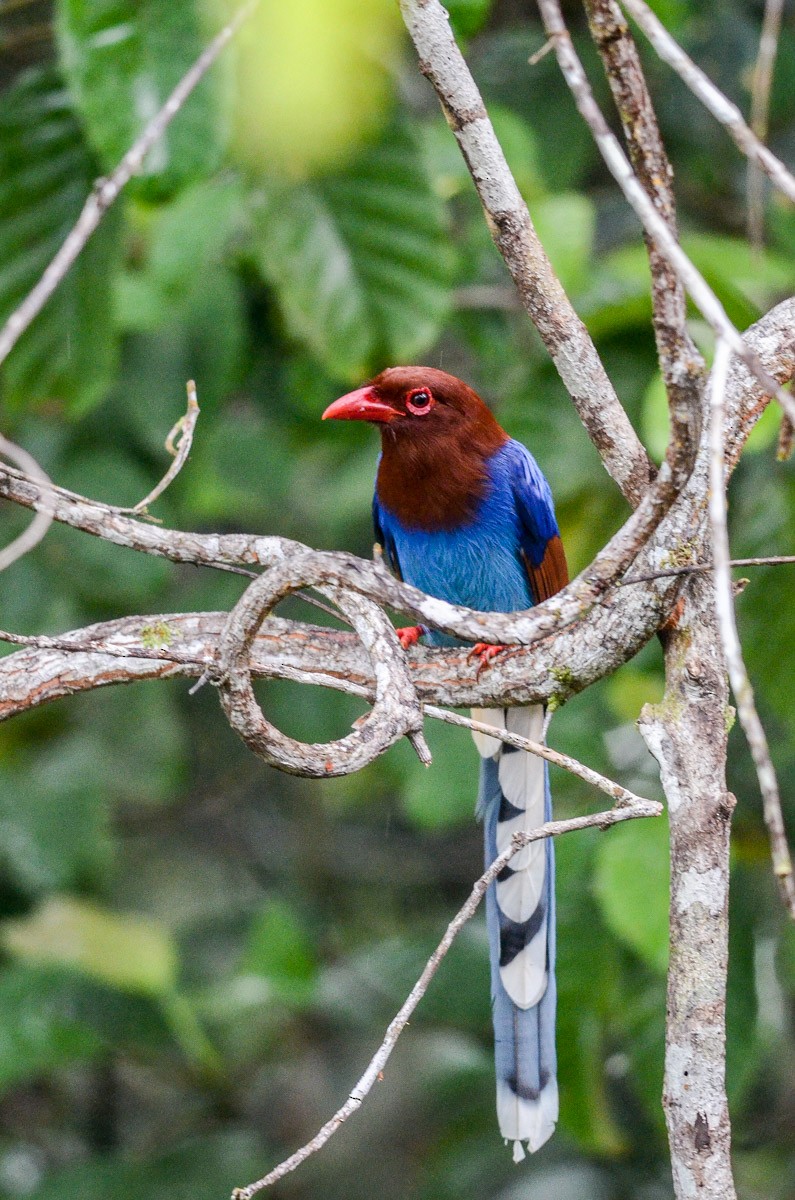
<point x="520" y="914"/>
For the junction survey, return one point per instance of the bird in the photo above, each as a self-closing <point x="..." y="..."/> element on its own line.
<point x="463" y="512"/>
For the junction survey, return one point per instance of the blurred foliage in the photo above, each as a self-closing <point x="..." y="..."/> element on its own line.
<point x="199" y="954"/>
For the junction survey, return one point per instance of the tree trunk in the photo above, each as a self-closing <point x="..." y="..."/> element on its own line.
<point x="687" y="734"/>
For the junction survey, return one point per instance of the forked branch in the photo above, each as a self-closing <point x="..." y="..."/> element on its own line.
<point x="602" y="820"/>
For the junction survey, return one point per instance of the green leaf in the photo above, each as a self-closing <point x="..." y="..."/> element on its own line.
<point x="587" y="972"/>
<point x="566" y="225"/>
<point x="468" y="17"/>
<point x="281" y="951"/>
<point x="744" y="280"/>
<point x="360" y="261"/>
<point x="130" y="953"/>
<point x="444" y="794"/>
<point x="122" y="59"/>
<point x="46" y="171"/>
<point x="210" y="1165"/>
<point x="632" y="886"/>
<point x="656" y="425"/>
<point x="54" y="820"/>
<point x="185" y="245"/>
<point x="39" y="1031"/>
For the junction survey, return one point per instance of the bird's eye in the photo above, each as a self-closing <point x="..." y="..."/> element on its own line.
<point x="419" y="401"/>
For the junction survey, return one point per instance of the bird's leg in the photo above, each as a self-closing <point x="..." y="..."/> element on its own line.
<point x="485" y="653"/>
<point x="409" y="635"/>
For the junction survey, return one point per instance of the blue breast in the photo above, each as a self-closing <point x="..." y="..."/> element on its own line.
<point x="476" y="564"/>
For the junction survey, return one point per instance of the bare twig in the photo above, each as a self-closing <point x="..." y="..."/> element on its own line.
<point x="43" y="518"/>
<point x="738" y="675"/>
<point x="761" y="84"/>
<point x="681" y="363"/>
<point x="619" y="167"/>
<point x="602" y="820"/>
<point x="183" y="429"/>
<point x="786" y="437"/>
<point x="618" y="793"/>
<point x="773" y="560"/>
<point x="106" y="190"/>
<point x="541" y="53"/>
<point x="722" y="109"/>
<point x="563" y="333"/>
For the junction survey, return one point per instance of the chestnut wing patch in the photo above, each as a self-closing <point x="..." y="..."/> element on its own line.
<point x="540" y="547"/>
<point x="551" y="574"/>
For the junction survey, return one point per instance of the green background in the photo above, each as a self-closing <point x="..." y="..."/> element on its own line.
<point x="199" y="955"/>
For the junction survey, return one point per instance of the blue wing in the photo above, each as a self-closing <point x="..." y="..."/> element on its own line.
<point x="540" y="547"/>
<point x="385" y="540"/>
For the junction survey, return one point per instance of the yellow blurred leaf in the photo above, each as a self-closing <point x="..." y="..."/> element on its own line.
<point x="310" y="81"/>
<point x="130" y="953"/>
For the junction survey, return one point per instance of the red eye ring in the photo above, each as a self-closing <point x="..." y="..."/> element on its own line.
<point x="419" y="401"/>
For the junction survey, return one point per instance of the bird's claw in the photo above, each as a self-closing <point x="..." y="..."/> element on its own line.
<point x="409" y="635"/>
<point x="485" y="653"/>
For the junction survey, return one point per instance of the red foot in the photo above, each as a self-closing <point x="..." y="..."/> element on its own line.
<point x="409" y="635"/>
<point x="485" y="653"/>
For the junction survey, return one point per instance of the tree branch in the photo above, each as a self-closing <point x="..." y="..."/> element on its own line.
<point x="602" y="636"/>
<point x="602" y="820"/>
<point x="42" y="520"/>
<point x="562" y="332"/>
<point x="722" y="109"/>
<point x="619" y="167"/>
<point x="761" y="84"/>
<point x="727" y="625"/>
<point x="395" y="712"/>
<point x="686" y="733"/>
<point x="681" y="363"/>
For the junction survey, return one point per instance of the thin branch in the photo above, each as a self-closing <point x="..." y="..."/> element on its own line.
<point x="42" y="520"/>
<point x="616" y="792"/>
<point x="540" y="54"/>
<point x="786" y="439"/>
<point x="724" y="605"/>
<point x="107" y="190"/>
<point x="681" y="363"/>
<point x="773" y="560"/>
<point x="184" y="429"/>
<point x="602" y="820"/>
<point x="619" y="167"/>
<point x="761" y="84"/>
<point x="722" y="109"/>
<point x="562" y="332"/>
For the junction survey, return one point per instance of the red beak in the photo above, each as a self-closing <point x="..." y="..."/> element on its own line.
<point x="360" y="405"/>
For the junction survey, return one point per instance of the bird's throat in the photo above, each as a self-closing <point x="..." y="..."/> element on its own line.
<point x="435" y="484"/>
